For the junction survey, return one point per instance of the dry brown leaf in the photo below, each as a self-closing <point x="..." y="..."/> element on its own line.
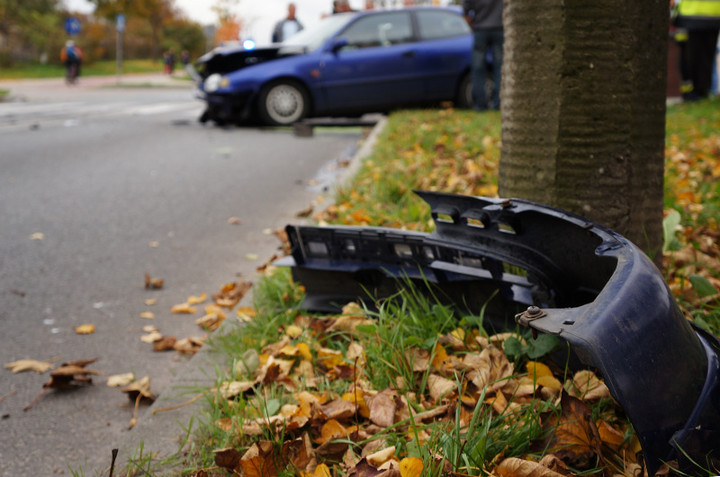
<point x="576" y="439"/>
<point x="29" y="365"/>
<point x="259" y="461"/>
<point x="230" y="389"/>
<point x="440" y="387"/>
<point x="139" y="388"/>
<point x="514" y="467"/>
<point x="587" y="386"/>
<point x="117" y="380"/>
<point x="227" y="458"/>
<point x="382" y="408"/>
<point x="165" y="343"/>
<point x="153" y="283"/>
<point x="151" y="337"/>
<point x="380" y="457"/>
<point x="231" y="293"/>
<point x="189" y="345"/>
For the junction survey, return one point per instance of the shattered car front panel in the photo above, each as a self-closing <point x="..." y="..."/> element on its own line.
<point x="575" y="279"/>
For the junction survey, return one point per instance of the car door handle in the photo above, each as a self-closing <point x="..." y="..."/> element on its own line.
<point x="410" y="54"/>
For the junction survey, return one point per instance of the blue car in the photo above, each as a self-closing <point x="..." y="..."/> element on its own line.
<point x="350" y="64"/>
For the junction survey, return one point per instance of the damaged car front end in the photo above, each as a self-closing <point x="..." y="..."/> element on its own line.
<point x="556" y="273"/>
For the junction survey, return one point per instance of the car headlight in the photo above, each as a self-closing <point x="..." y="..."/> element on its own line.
<point x="214" y="82"/>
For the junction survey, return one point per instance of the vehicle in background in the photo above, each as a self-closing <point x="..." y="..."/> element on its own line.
<point x="350" y="64"/>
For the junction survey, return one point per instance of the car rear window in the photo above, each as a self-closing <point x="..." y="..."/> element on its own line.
<point x="440" y="24"/>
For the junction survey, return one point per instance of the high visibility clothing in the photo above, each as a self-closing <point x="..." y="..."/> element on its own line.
<point x="699" y="8"/>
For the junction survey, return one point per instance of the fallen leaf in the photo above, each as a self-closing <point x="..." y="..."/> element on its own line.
<point x="85" y="329"/>
<point x="587" y="386"/>
<point x="183" y="308"/>
<point x="382" y="408"/>
<point x="514" y="467"/>
<point x="380" y="457"/>
<point x="151" y="337"/>
<point x="228" y="458"/>
<point x="140" y="388"/>
<point x="37" y="236"/>
<point x="165" y="343"/>
<point x="154" y="244"/>
<point x="196" y="300"/>
<point x="576" y="439"/>
<point x="231" y="293"/>
<point x="411" y="467"/>
<point x="29" y="365"/>
<point x="118" y="380"/>
<point x="234" y="221"/>
<point x="151" y="301"/>
<point x="148" y="315"/>
<point x="252" y="256"/>
<point x="259" y="461"/>
<point x="188" y="345"/>
<point x="153" y="283"/>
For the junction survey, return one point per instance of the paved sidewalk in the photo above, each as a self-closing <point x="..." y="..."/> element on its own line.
<point x="24" y="87"/>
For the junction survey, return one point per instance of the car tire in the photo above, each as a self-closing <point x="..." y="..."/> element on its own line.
<point x="463" y="100"/>
<point x="283" y="103"/>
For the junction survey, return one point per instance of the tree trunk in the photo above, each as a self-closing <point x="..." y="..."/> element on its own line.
<point x="583" y="110"/>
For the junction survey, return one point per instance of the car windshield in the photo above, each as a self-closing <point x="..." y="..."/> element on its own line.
<point x="312" y="38"/>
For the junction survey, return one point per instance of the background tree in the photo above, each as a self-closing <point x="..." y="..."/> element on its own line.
<point x="29" y="30"/>
<point x="583" y="110"/>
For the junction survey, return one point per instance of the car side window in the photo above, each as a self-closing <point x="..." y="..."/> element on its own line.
<point x="379" y="30"/>
<point x="438" y="24"/>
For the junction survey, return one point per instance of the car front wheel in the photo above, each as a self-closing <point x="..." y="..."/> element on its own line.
<point x="283" y="103"/>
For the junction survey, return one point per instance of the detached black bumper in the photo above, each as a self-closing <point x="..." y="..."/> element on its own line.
<point x="555" y="272"/>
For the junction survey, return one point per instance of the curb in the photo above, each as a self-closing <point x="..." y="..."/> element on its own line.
<point x="160" y="434"/>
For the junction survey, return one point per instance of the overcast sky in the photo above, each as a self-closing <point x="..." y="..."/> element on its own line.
<point x="261" y="15"/>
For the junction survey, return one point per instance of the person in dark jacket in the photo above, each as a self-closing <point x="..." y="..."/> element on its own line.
<point x="701" y="20"/>
<point x="485" y="19"/>
<point x="286" y="27"/>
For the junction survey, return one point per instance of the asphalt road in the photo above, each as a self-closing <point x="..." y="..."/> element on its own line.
<point x="99" y="186"/>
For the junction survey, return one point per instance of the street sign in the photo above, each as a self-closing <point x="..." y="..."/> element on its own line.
<point x="120" y="23"/>
<point x="72" y="26"/>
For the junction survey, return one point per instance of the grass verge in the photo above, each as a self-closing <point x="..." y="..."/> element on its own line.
<point x="414" y="386"/>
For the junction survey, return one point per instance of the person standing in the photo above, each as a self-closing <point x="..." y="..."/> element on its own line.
<point x="485" y="19"/>
<point x="701" y="20"/>
<point x="286" y="27"/>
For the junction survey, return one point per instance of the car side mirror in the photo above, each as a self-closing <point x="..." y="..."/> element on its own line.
<point x="338" y="44"/>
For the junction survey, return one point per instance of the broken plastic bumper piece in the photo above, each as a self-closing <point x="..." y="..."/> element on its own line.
<point x="555" y="273"/>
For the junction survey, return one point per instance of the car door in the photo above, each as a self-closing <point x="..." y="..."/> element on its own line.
<point x="444" y="52"/>
<point x="375" y="69"/>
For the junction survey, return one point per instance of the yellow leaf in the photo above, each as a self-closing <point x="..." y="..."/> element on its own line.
<point x="148" y="315"/>
<point x="380" y="457"/>
<point x="549" y="382"/>
<point x="304" y="351"/>
<point x="321" y="470"/>
<point x="29" y="365"/>
<point x="293" y="331"/>
<point x="196" y="300"/>
<point x="440" y="357"/>
<point x="85" y="329"/>
<point x="332" y="429"/>
<point x="183" y="308"/>
<point x="411" y="467"/>
<point x="537" y="370"/>
<point x="151" y="301"/>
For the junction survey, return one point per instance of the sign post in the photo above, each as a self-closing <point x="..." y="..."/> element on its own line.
<point x="120" y="28"/>
<point x="72" y="26"/>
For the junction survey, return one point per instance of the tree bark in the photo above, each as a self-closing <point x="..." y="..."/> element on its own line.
<point x="583" y="111"/>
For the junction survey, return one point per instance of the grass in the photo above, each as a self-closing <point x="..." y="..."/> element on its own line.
<point x="97" y="68"/>
<point x="452" y="151"/>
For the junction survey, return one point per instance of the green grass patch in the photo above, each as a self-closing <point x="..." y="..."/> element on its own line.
<point x="97" y="68"/>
